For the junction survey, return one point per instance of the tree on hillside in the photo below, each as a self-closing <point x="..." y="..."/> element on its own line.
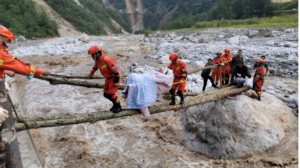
<point x="22" y="18"/>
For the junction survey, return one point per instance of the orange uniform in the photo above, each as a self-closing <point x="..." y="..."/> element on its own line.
<point x="226" y="68"/>
<point x="3" y="48"/>
<point x="180" y="73"/>
<point x="258" y="80"/>
<point x="108" y="68"/>
<point x="7" y="62"/>
<point x="215" y="72"/>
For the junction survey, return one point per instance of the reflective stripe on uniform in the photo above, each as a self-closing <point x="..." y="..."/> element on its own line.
<point x="184" y="75"/>
<point x="31" y="70"/>
<point x="1" y="62"/>
<point x="103" y="66"/>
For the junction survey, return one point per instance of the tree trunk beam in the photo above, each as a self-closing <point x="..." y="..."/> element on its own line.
<point x="204" y="68"/>
<point x="77" y="77"/>
<point x="56" y="81"/>
<point x="69" y="119"/>
<point x="69" y="116"/>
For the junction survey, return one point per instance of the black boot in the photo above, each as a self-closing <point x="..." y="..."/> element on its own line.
<point x="117" y="108"/>
<point x="173" y="101"/>
<point x="182" y="101"/>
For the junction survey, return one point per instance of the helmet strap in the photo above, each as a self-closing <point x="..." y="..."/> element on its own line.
<point x="5" y="44"/>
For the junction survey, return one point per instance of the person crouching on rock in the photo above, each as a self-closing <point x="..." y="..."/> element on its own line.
<point x="259" y="78"/>
<point x="240" y="73"/>
<point x="206" y="75"/>
<point x="110" y="71"/>
<point x="180" y="74"/>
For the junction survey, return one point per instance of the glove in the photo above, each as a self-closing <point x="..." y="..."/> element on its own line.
<point x="7" y="87"/>
<point x="3" y="115"/>
<point x="29" y="77"/>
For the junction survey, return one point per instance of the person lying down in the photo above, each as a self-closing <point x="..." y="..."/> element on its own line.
<point x="144" y="88"/>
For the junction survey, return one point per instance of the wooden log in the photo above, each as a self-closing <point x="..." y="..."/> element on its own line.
<point x="68" y="116"/>
<point x="69" y="119"/>
<point x="204" y="68"/>
<point x="56" y="81"/>
<point x="77" y="77"/>
<point x="9" y="134"/>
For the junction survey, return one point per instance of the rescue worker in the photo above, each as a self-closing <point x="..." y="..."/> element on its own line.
<point x="234" y="63"/>
<point x="226" y="59"/>
<point x="4" y="47"/>
<point x="259" y="78"/>
<point x="241" y="71"/>
<point x="215" y="72"/>
<point x="206" y="75"/>
<point x="7" y="62"/>
<point x="110" y="71"/>
<point x="264" y="64"/>
<point x="180" y="74"/>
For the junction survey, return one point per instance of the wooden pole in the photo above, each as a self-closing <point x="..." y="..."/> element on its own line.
<point x="68" y="116"/>
<point x="203" y="68"/>
<point x="77" y="77"/>
<point x="9" y="134"/>
<point x="56" y="81"/>
<point x="69" y="119"/>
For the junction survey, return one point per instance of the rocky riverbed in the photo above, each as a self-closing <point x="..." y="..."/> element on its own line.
<point x="226" y="133"/>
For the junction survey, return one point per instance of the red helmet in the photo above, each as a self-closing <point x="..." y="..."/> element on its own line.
<point x="260" y="60"/>
<point x="226" y="50"/>
<point x="95" y="49"/>
<point x="5" y="32"/>
<point x="173" y="56"/>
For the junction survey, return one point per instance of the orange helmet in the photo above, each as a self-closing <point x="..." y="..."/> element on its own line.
<point x="219" y="52"/>
<point x="95" y="49"/>
<point x="5" y="32"/>
<point x="260" y="60"/>
<point x="226" y="50"/>
<point x="173" y="56"/>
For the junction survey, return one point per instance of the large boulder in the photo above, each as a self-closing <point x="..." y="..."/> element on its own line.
<point x="198" y="64"/>
<point x="164" y="60"/>
<point x="228" y="128"/>
<point x="182" y="53"/>
<point x="21" y="39"/>
<point x="234" y="40"/>
<point x="270" y="42"/>
<point x="289" y="31"/>
<point x="291" y="44"/>
<point x="253" y="33"/>
<point x="238" y="40"/>
<point x="84" y="38"/>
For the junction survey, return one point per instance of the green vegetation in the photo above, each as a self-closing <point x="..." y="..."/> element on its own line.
<point x="92" y="19"/>
<point x="271" y="21"/>
<point x="22" y="18"/>
<point x="156" y="10"/>
<point x="286" y="5"/>
<point x="118" y="4"/>
<point x="227" y="10"/>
